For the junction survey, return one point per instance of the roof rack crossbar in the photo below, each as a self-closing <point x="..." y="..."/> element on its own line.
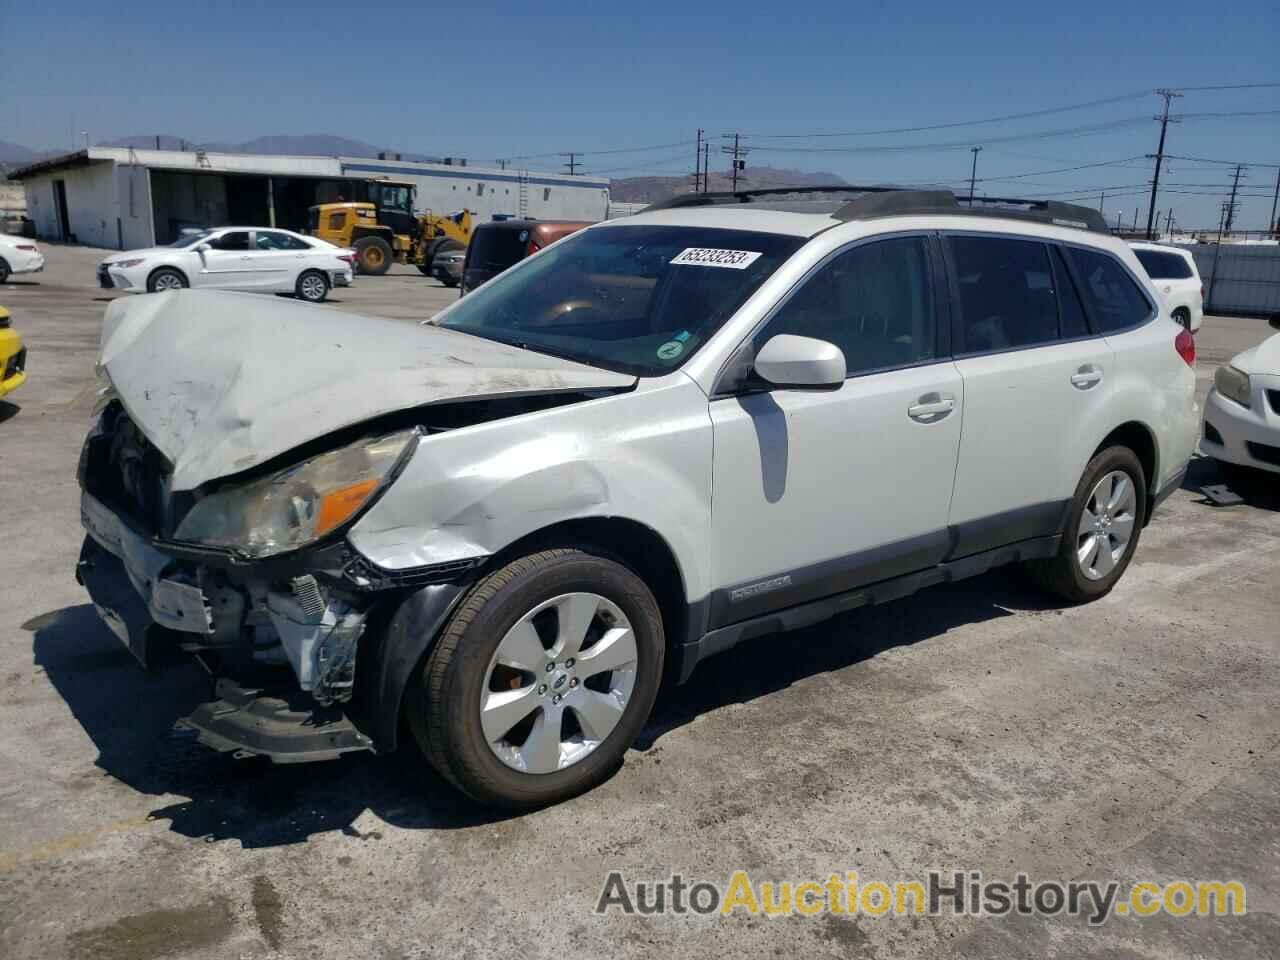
<point x="882" y="201"/>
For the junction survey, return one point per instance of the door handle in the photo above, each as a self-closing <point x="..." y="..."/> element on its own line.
<point x="931" y="408"/>
<point x="1086" y="377"/>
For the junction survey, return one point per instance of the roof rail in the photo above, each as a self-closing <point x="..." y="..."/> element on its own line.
<point x="880" y="201"/>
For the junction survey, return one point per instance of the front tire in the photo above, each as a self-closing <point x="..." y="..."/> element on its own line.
<point x="312" y="286"/>
<point x="373" y="255"/>
<point x="541" y="680"/>
<point x="1102" y="530"/>
<point x="4" y="270"/>
<point x="166" y="278"/>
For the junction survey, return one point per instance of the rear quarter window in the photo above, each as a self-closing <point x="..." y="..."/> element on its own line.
<point x="1164" y="266"/>
<point x="1113" y="298"/>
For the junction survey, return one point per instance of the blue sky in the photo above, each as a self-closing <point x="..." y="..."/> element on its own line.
<point x="498" y="80"/>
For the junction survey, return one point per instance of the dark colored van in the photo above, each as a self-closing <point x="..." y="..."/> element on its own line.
<point x="500" y="244"/>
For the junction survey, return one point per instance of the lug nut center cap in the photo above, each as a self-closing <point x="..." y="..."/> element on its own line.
<point x="560" y="681"/>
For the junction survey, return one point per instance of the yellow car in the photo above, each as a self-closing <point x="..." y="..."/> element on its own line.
<point x="13" y="356"/>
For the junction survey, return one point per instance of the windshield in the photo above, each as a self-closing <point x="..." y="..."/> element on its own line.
<point x="636" y="299"/>
<point x="188" y="239"/>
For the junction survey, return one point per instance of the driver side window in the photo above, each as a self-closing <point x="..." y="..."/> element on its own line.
<point x="875" y="302"/>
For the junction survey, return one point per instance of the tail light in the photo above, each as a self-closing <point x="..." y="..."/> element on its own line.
<point x="1185" y="344"/>
<point x="349" y="257"/>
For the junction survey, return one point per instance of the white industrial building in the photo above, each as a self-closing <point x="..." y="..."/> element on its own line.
<point x="129" y="198"/>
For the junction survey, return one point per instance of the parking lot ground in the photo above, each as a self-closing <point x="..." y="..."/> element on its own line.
<point x="971" y="727"/>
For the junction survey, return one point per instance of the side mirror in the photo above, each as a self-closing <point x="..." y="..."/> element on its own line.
<point x="801" y="362"/>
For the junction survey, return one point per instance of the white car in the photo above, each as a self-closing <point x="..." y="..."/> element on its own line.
<point x="19" y="255"/>
<point x="650" y="441"/>
<point x="1242" y="413"/>
<point x="234" y="258"/>
<point x="1173" y="272"/>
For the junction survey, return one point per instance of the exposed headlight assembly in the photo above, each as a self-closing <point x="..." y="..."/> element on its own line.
<point x="1233" y="384"/>
<point x="297" y="506"/>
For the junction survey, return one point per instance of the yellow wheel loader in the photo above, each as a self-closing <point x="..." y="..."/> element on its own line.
<point x="384" y="229"/>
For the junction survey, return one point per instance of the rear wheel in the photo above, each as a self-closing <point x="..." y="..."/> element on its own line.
<point x="166" y="278"/>
<point x="1103" y="526"/>
<point x="373" y="255"/>
<point x="4" y="270"/>
<point x="541" y="680"/>
<point x="312" y="286"/>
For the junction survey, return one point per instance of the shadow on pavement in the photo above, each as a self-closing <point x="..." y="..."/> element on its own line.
<point x="8" y="410"/>
<point x="130" y="714"/>
<point x="1257" y="488"/>
<point x="764" y="665"/>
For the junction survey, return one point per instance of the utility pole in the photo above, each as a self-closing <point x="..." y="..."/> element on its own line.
<point x="1101" y="200"/>
<point x="1231" y="204"/>
<point x="706" y="167"/>
<point x="502" y="164"/>
<point x="571" y="163"/>
<point x="973" y="173"/>
<point x="1274" y="225"/>
<point x="736" y="152"/>
<point x="1159" y="154"/>
<point x="1135" y="218"/>
<point x="697" y="163"/>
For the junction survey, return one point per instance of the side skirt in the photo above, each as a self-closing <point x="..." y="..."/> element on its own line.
<point x="894" y="588"/>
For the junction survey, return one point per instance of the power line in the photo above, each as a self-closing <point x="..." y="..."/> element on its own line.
<point x="966" y="144"/>
<point x="1232" y="86"/>
<point x="598" y="153"/>
<point x="1045" y="173"/>
<point x="1229" y="163"/>
<point x="949" y="126"/>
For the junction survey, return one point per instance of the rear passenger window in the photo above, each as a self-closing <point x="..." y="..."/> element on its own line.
<point x="1070" y="310"/>
<point x="1113" y="298"/>
<point x="1163" y="266"/>
<point x="1007" y="295"/>
<point x="875" y="302"/>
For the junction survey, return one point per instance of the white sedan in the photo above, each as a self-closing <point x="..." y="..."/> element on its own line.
<point x="1242" y="413"/>
<point x="18" y="255"/>
<point x="234" y="258"/>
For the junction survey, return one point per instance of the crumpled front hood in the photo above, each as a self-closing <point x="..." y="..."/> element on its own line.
<point x="1262" y="359"/>
<point x="221" y="382"/>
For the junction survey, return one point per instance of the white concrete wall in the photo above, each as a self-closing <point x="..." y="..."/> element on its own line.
<point x="487" y="191"/>
<point x="91" y="204"/>
<point x="133" y="204"/>
<point x="40" y="208"/>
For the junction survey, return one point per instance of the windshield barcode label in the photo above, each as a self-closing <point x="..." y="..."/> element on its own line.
<point x="711" y="257"/>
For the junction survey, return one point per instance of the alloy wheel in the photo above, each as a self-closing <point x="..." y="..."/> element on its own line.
<point x="1105" y="532"/>
<point x="312" y="287"/>
<point x="168" y="281"/>
<point x="559" y="683"/>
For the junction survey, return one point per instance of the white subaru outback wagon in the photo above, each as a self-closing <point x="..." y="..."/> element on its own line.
<point x="499" y="531"/>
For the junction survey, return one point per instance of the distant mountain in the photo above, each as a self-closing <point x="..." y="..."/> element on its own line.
<point x="15" y="155"/>
<point x="656" y="189"/>
<point x="303" y="145"/>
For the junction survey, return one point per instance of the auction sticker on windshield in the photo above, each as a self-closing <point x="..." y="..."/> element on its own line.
<point x="712" y="257"/>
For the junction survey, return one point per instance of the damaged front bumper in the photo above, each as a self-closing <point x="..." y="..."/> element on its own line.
<point x="280" y="642"/>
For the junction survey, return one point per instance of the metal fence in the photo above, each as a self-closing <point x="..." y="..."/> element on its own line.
<point x="1239" y="278"/>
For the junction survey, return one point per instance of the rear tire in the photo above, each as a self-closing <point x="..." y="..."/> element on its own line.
<point x="373" y="256"/>
<point x="537" y="598"/>
<point x="312" y="286"/>
<point x="1081" y="570"/>
<point x="166" y="278"/>
<point x="4" y="271"/>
